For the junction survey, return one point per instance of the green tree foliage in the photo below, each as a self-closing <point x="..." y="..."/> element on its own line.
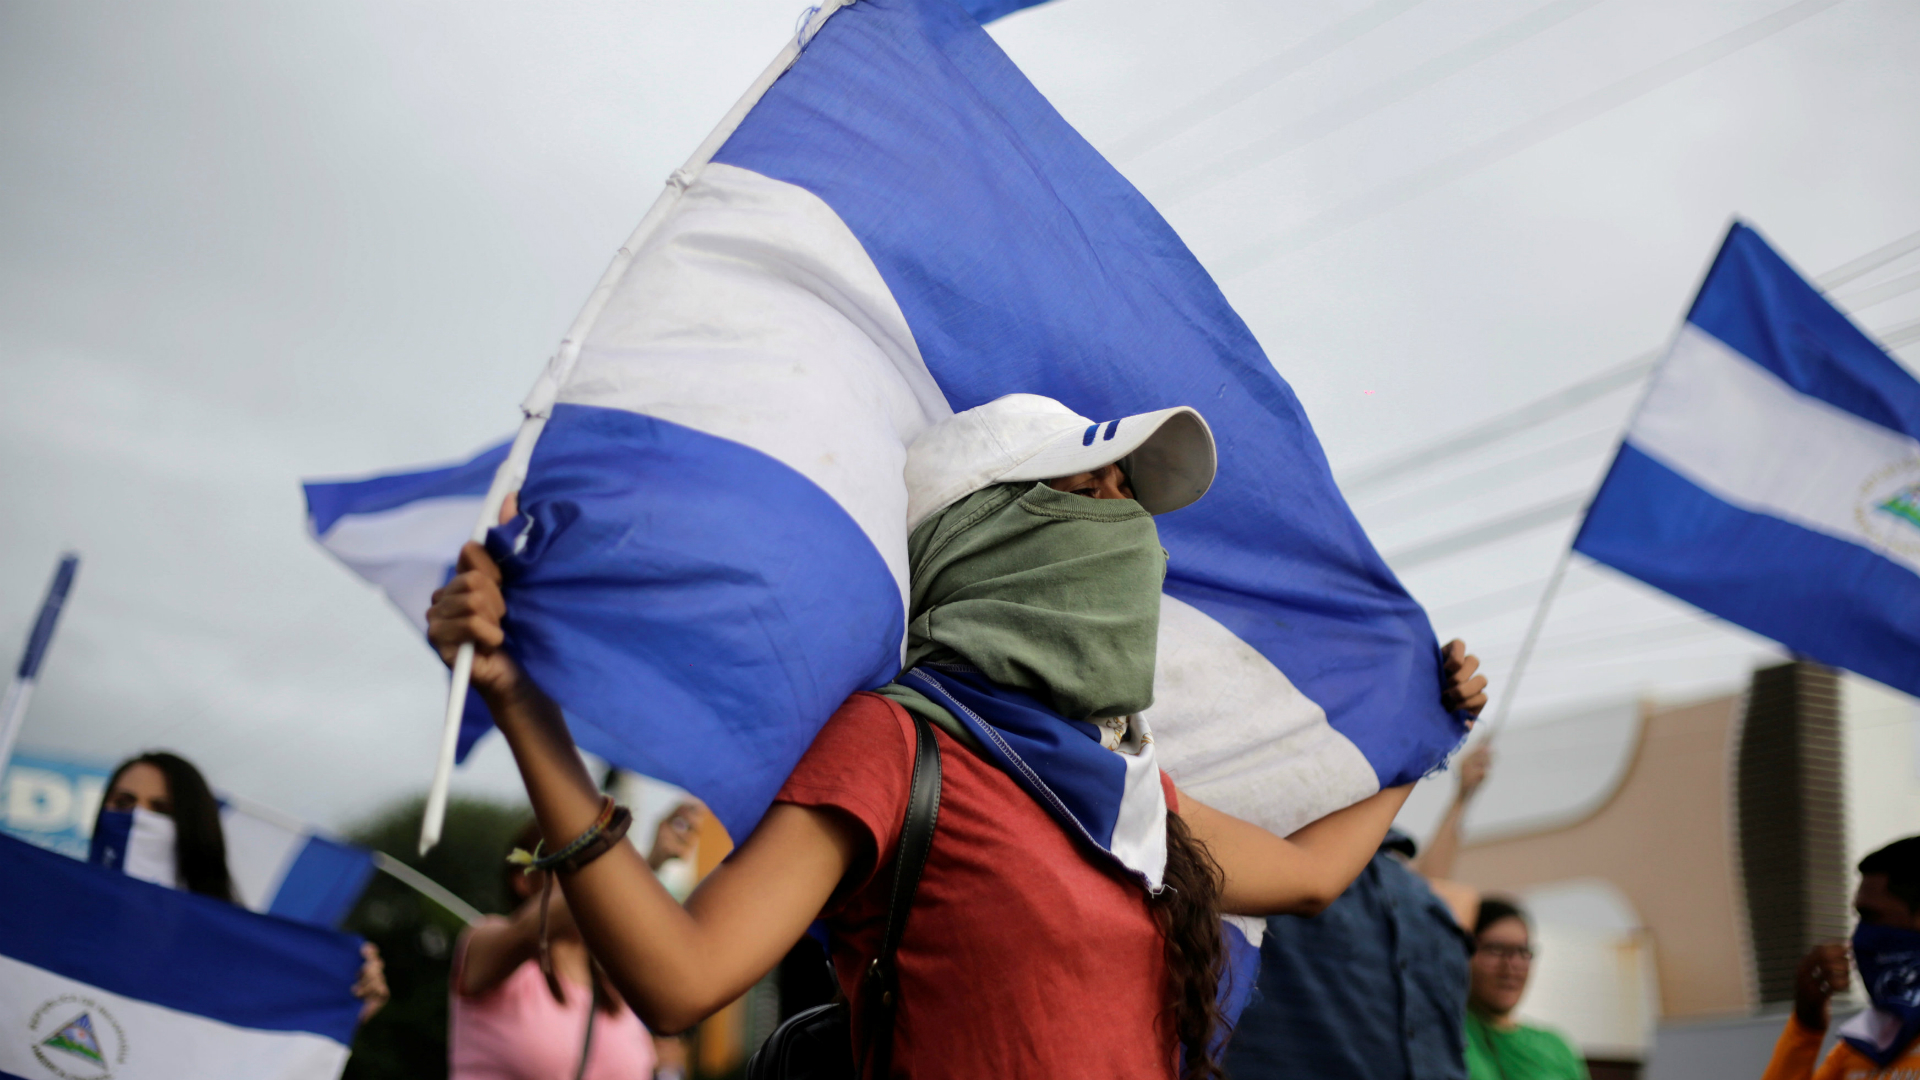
<point x="408" y="1039"/>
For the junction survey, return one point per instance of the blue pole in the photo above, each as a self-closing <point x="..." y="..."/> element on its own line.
<point x="13" y="707"/>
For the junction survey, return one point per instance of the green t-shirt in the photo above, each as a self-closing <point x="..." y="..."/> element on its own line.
<point x="1521" y="1053"/>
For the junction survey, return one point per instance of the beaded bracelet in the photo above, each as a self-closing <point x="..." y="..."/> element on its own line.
<point x="533" y="861"/>
<point x="606" y="831"/>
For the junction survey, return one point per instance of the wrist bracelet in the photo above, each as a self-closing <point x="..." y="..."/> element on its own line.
<point x="607" y="829"/>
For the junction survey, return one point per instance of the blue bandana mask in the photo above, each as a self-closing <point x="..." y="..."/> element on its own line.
<point x="1889" y="961"/>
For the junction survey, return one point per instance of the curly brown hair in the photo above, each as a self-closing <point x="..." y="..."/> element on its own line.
<point x="1189" y="913"/>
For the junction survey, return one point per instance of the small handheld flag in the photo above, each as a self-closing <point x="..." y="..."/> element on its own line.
<point x="278" y="866"/>
<point x="1772" y="474"/>
<point x="105" y="975"/>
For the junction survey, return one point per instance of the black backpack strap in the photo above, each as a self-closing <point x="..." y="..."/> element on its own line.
<point x="916" y="840"/>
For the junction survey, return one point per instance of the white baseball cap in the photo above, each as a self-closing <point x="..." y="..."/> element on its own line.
<point x="1168" y="454"/>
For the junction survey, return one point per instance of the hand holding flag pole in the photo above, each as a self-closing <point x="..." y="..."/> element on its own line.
<point x="506" y="481"/>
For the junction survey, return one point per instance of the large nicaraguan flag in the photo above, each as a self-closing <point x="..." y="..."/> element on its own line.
<point x="710" y="553"/>
<point x="1772" y="475"/>
<point x="103" y="975"/>
<point x="278" y="866"/>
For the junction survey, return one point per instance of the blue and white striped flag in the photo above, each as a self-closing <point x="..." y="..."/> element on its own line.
<point x="402" y="531"/>
<point x="1772" y="475"/>
<point x="893" y="225"/>
<point x="278" y="866"/>
<point x="102" y="975"/>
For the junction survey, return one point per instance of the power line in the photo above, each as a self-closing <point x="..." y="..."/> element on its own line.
<point x="1501" y="601"/>
<point x="1258" y="78"/>
<point x="1879" y="294"/>
<point x="1895" y="336"/>
<point x="1525" y="520"/>
<point x="1487" y="532"/>
<point x="1651" y="631"/>
<point x="1540" y="410"/>
<point x="1521" y="137"/>
<point x="1871" y="261"/>
<point x="1499" y="427"/>
<point x="1509" y="470"/>
<point x="1366" y="103"/>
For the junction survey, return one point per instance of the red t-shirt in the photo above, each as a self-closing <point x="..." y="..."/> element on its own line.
<point x="1022" y="957"/>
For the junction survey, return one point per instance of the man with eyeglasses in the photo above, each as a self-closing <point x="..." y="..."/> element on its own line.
<point x="1499" y="1046"/>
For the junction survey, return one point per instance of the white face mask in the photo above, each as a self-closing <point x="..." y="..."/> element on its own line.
<point x="151" y="848"/>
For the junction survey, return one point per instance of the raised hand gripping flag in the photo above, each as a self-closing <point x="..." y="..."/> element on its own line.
<point x="1772" y="475"/>
<point x="103" y="975"/>
<point x="893" y="225"/>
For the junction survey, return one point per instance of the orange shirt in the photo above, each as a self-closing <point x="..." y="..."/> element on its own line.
<point x="1799" y="1045"/>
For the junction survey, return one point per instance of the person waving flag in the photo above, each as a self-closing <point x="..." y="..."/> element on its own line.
<point x="709" y="550"/>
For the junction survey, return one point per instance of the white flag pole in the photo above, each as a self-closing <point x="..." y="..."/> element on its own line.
<point x="1539" y="622"/>
<point x="13" y="706"/>
<point x="1526" y="644"/>
<point x="546" y="389"/>
<point x="506" y="479"/>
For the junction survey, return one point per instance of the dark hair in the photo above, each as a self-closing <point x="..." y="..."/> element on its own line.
<point x="1495" y="909"/>
<point x="200" y="848"/>
<point x="1189" y="913"/>
<point x="1900" y="862"/>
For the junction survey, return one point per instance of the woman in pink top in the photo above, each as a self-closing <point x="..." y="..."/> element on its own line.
<point x="508" y="1023"/>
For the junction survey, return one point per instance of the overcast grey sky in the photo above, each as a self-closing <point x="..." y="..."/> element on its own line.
<point x="243" y="244"/>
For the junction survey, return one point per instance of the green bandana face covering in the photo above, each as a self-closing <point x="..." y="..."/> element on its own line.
<point x="1050" y="593"/>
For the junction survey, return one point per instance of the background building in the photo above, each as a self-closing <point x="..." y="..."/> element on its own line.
<point x="1679" y="858"/>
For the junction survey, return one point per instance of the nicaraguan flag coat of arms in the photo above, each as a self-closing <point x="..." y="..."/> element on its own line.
<point x="106" y="977"/>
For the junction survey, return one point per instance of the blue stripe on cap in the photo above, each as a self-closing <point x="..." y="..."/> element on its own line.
<point x="1087" y="439"/>
<point x="1111" y="428"/>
